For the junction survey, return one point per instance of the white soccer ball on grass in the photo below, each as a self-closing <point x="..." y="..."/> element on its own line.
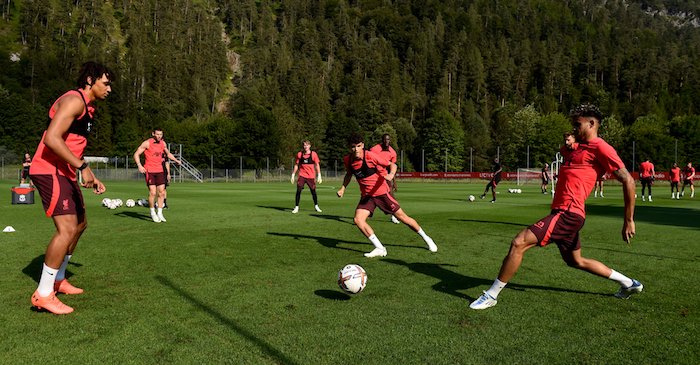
<point x="352" y="278"/>
<point x="472" y="198"/>
<point x="106" y="201"/>
<point x="130" y="203"/>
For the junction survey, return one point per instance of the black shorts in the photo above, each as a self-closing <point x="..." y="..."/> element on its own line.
<point x="386" y="203"/>
<point x="646" y="180"/>
<point x="687" y="182"/>
<point x="561" y="227"/>
<point x="59" y="195"/>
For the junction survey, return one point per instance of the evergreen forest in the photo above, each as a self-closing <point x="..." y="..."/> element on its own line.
<point x="454" y="82"/>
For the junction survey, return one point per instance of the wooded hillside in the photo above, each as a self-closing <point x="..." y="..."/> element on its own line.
<point x="445" y="78"/>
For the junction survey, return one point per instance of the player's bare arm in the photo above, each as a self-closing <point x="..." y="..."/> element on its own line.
<point x="392" y="172"/>
<point x="69" y="108"/>
<point x="346" y="181"/>
<point x="171" y="156"/>
<point x="138" y="153"/>
<point x="628" y="227"/>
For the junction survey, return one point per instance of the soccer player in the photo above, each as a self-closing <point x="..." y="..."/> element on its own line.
<point x="577" y="175"/>
<point x="309" y="166"/>
<point x="675" y="176"/>
<point x="599" y="186"/>
<point x="154" y="149"/>
<point x="546" y="176"/>
<point x="53" y="171"/>
<point x="166" y="169"/>
<point x="384" y="149"/>
<point x="646" y="176"/>
<point x="375" y="193"/>
<point x="494" y="180"/>
<point x="26" y="164"/>
<point x="688" y="175"/>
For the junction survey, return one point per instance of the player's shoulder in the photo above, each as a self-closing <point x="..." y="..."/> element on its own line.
<point x="376" y="148"/>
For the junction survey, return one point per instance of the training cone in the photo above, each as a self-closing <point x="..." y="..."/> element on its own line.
<point x="8" y="229"/>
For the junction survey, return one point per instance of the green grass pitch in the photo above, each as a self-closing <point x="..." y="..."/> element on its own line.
<point x="234" y="277"/>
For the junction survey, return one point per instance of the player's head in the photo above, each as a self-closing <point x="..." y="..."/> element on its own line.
<point x="546" y="165"/>
<point x="569" y="140"/>
<point x="386" y="140"/>
<point x="27" y="156"/>
<point x="690" y="164"/>
<point x="356" y="143"/>
<point x="675" y="164"/>
<point x="585" y="119"/>
<point x="97" y="78"/>
<point x="495" y="160"/>
<point x="157" y="134"/>
<point x="306" y="145"/>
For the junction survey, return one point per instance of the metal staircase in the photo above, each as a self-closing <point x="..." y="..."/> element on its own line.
<point x="186" y="168"/>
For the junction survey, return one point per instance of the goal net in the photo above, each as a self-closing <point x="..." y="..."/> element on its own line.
<point x="529" y="176"/>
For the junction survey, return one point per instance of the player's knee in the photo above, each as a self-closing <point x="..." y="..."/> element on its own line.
<point x="359" y="221"/>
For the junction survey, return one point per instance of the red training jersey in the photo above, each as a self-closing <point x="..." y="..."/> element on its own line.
<point x="47" y="161"/>
<point x="389" y="154"/>
<point x="373" y="184"/>
<point x="306" y="163"/>
<point x="689" y="173"/>
<point x="675" y="174"/>
<point x="578" y="173"/>
<point x="646" y="169"/>
<point x="154" y="156"/>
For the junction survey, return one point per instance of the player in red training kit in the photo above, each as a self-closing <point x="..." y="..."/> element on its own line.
<point x="308" y="165"/>
<point x="688" y="175"/>
<point x="59" y="155"/>
<point x="364" y="165"/>
<point x="675" y="176"/>
<point x="646" y="176"/>
<point x="154" y="149"/>
<point x="577" y="175"/>
<point x="384" y="149"/>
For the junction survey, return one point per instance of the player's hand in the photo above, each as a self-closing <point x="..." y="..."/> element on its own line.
<point x="340" y="192"/>
<point x="142" y="169"/>
<point x="88" y="178"/>
<point x="389" y="177"/>
<point x="291" y="180"/>
<point x="319" y="179"/>
<point x="98" y="187"/>
<point x="168" y="177"/>
<point x="628" y="231"/>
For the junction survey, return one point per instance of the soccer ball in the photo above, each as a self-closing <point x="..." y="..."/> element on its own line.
<point x="511" y="191"/>
<point x="130" y="203"/>
<point x="471" y="198"/>
<point x="352" y="278"/>
<point x="106" y="202"/>
<point x="519" y="191"/>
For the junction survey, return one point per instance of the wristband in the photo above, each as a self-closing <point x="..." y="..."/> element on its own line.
<point x="83" y="166"/>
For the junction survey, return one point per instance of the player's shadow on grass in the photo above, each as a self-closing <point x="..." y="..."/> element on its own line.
<point x="452" y="283"/>
<point x="324" y="241"/>
<point x="281" y="209"/>
<point x="593" y="247"/>
<point x="337" y="218"/>
<point x="144" y="217"/>
<point x="490" y="222"/>
<point x="334" y="242"/>
<point x="265" y="347"/>
<point x="667" y="216"/>
<point x="34" y="268"/>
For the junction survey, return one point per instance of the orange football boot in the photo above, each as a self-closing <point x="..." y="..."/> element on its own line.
<point x="50" y="303"/>
<point x="64" y="287"/>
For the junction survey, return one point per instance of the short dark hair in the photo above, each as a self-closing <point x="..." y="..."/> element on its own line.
<point x="94" y="71"/>
<point x="355" y="138"/>
<point x="567" y="135"/>
<point x="586" y="110"/>
<point x="157" y="129"/>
